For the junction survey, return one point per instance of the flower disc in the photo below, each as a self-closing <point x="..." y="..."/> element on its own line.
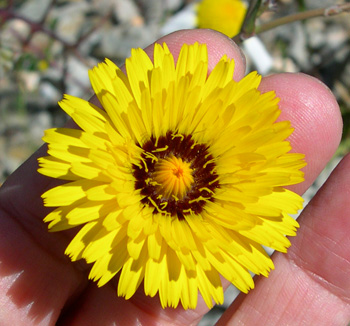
<point x="178" y="175"/>
<point x="179" y="179"/>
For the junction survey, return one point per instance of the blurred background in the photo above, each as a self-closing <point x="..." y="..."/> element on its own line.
<point x="48" y="46"/>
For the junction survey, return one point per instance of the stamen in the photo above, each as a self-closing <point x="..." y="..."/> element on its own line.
<point x="177" y="176"/>
<point x="206" y="189"/>
<point x="151" y="156"/>
<point x="161" y="149"/>
<point x="177" y="135"/>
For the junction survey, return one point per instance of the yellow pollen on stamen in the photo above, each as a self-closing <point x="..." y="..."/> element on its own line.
<point x="174" y="177"/>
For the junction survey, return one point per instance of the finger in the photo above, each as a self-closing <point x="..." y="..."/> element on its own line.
<point x="311" y="284"/>
<point x="34" y="283"/>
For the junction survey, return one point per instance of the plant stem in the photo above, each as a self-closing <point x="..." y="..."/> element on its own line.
<point x="330" y="11"/>
<point x="325" y="12"/>
<point x="248" y="26"/>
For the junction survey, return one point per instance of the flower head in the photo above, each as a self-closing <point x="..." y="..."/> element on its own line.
<point x="179" y="179"/>
<point x="225" y="16"/>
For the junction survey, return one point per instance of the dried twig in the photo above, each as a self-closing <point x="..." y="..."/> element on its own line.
<point x="321" y="12"/>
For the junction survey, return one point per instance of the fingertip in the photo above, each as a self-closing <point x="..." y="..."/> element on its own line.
<point x="218" y="45"/>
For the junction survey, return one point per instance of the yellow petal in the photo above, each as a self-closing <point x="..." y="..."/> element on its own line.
<point x="66" y="194"/>
<point x="56" y="168"/>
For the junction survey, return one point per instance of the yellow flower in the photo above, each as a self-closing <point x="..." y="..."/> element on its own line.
<point x="43" y="65"/>
<point x="225" y="16"/>
<point x="179" y="180"/>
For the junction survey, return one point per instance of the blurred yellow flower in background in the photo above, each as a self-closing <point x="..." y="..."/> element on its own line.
<point x="43" y="65"/>
<point x="225" y="16"/>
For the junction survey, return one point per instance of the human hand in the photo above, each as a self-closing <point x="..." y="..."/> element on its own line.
<point x="310" y="285"/>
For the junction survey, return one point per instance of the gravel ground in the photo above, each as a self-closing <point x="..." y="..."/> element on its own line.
<point x="67" y="38"/>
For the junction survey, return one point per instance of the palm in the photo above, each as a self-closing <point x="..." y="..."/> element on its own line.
<point x="40" y="286"/>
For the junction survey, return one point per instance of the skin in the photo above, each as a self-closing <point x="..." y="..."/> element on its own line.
<point x="309" y="286"/>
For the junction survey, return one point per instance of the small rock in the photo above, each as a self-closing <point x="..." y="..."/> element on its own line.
<point x="77" y="82"/>
<point x="38" y="123"/>
<point x="30" y="80"/>
<point x="297" y="48"/>
<point x="49" y="93"/>
<point x="184" y="19"/>
<point x="34" y="9"/>
<point x="127" y="11"/>
<point x="70" y="20"/>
